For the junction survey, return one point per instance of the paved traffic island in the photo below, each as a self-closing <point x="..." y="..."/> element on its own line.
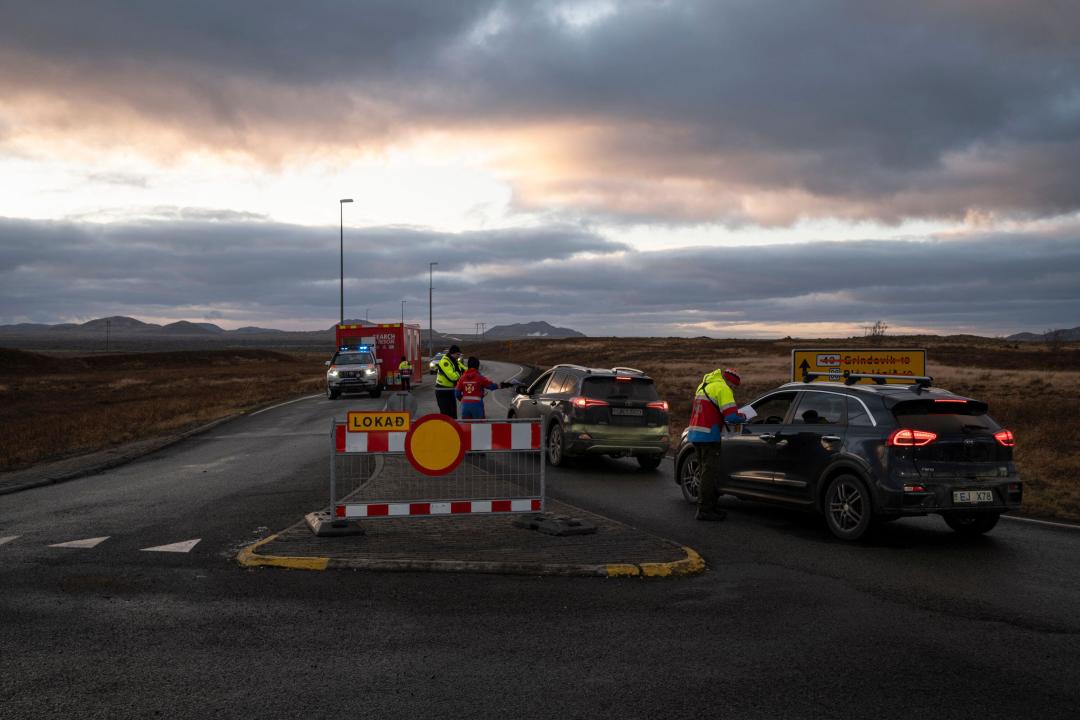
<point x="480" y="544"/>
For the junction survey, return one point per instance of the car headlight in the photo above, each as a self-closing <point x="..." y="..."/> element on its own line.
<point x="369" y="371"/>
<point x="332" y="373"/>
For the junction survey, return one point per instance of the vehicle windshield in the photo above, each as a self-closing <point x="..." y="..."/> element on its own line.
<point x="354" y="359"/>
<point x="943" y="418"/>
<point x="609" y="388"/>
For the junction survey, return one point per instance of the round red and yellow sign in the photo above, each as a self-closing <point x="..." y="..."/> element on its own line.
<point x="435" y="445"/>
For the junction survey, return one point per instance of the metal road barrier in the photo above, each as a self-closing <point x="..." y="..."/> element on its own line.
<point x="434" y="466"/>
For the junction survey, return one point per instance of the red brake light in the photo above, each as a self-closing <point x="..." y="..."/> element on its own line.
<point x="623" y="378"/>
<point x="911" y="438"/>
<point x="583" y="402"/>
<point x="950" y="400"/>
<point x="659" y="405"/>
<point x="1005" y="437"/>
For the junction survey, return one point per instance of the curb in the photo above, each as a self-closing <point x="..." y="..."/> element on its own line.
<point x="692" y="564"/>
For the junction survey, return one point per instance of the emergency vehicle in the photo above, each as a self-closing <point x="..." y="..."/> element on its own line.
<point x="390" y="342"/>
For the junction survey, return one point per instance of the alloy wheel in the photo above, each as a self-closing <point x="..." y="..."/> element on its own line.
<point x="847" y="505"/>
<point x="690" y="478"/>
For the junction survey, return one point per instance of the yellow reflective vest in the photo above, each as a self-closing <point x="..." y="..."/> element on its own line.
<point x="448" y="372"/>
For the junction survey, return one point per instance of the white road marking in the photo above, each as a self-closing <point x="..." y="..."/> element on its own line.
<point x="82" y="544"/>
<point x="7" y="539"/>
<point x="288" y="402"/>
<point x="180" y="547"/>
<point x="1067" y="526"/>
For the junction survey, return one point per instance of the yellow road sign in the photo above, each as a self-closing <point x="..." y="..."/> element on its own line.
<point x="377" y="422"/>
<point x="876" y="361"/>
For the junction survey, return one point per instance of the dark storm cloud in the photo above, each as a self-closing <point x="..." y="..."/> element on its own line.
<point x="853" y="109"/>
<point x="258" y="272"/>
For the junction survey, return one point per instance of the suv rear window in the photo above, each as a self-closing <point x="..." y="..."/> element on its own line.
<point x="945" y="418"/>
<point x="608" y="388"/>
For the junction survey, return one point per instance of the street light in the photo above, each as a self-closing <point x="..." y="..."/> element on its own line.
<point x="430" y="341"/>
<point x="341" y="228"/>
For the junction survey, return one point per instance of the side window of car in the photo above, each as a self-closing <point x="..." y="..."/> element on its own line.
<point x="556" y="383"/>
<point x="856" y="414"/>
<point x="773" y="409"/>
<point x="818" y="408"/>
<point x="539" y="383"/>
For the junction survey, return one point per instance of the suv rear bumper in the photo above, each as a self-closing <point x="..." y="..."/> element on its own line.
<point x="606" y="440"/>
<point x="937" y="497"/>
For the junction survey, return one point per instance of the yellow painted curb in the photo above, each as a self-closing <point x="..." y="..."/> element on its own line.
<point x="691" y="564"/>
<point x="249" y="558"/>
<point x="623" y="571"/>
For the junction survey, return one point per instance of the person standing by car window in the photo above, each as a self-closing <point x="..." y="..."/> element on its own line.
<point x="470" y="390"/>
<point x="714" y="405"/>
<point x="447" y="373"/>
<point x="405" y="372"/>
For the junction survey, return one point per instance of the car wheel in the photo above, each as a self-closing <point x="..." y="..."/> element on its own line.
<point x="972" y="523"/>
<point x="377" y="391"/>
<point x="332" y="394"/>
<point x="848" y="509"/>
<point x="689" y="474"/>
<point x="649" y="462"/>
<point x="556" y="451"/>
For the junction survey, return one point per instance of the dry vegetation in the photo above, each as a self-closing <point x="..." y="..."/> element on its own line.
<point x="1031" y="389"/>
<point x="55" y="406"/>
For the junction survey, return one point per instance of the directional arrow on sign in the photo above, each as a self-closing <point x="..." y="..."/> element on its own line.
<point x="180" y="547"/>
<point x="87" y="543"/>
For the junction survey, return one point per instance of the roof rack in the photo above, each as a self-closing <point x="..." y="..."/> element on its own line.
<point x="620" y="368"/>
<point x="918" y="382"/>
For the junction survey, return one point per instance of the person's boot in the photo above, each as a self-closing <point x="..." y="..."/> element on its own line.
<point x="713" y="515"/>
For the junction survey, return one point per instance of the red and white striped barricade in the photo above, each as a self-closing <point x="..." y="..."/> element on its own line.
<point x="383" y="466"/>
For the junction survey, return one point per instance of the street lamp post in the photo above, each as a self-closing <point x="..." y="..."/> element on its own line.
<point x="430" y="331"/>
<point x="341" y="229"/>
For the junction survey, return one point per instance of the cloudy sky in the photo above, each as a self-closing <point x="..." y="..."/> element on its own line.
<point x="724" y="167"/>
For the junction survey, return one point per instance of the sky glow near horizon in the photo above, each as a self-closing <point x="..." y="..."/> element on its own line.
<point x="622" y="168"/>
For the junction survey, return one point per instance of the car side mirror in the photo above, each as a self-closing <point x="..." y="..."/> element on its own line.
<point x="327" y="363"/>
<point x="378" y="361"/>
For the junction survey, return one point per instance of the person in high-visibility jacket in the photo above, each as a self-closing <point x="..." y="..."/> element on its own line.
<point x="714" y="406"/>
<point x="447" y="372"/>
<point x="404" y="369"/>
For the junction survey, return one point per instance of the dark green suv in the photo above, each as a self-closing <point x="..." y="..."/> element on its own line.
<point x="596" y="411"/>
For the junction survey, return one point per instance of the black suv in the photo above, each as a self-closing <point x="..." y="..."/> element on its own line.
<point x="596" y="411"/>
<point x="860" y="453"/>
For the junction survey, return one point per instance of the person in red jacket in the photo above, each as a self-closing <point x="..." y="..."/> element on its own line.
<point x="470" y="390"/>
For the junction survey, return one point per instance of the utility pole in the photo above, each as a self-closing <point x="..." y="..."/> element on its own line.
<point x="341" y="232"/>
<point x="430" y="330"/>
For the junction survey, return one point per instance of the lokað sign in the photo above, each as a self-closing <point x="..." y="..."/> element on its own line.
<point x="377" y="422"/>
<point x="877" y="361"/>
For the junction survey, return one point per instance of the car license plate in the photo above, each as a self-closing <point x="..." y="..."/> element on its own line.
<point x="970" y="497"/>
<point x="637" y="412"/>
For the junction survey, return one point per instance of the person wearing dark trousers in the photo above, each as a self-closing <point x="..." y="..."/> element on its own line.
<point x="405" y="373"/>
<point x="447" y="373"/>
<point x="714" y="406"/>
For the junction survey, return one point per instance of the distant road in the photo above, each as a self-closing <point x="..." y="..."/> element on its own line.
<point x="788" y="622"/>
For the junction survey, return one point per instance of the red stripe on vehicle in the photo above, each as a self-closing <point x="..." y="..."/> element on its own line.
<point x="500" y="436"/>
<point x="460" y="507"/>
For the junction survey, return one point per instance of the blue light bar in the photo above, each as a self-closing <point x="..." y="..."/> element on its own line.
<point x="358" y="348"/>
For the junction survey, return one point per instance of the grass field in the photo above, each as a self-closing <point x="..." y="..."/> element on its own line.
<point x="57" y="406"/>
<point x="1032" y="389"/>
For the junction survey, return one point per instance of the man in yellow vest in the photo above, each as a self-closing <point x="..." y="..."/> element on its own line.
<point x="714" y="406"/>
<point x="404" y="369"/>
<point x="447" y="372"/>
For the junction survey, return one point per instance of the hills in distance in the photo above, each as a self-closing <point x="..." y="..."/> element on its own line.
<point x="1063" y="335"/>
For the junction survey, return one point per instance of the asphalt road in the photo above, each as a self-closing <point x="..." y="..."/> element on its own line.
<point x="786" y="622"/>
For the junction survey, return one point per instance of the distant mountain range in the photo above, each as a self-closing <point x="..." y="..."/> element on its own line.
<point x="128" y="333"/>
<point x="1065" y="335"/>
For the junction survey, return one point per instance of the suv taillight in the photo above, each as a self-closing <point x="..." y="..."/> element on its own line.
<point x="1005" y="438"/>
<point x="911" y="438"/>
<point x="659" y="405"/>
<point x="583" y="402"/>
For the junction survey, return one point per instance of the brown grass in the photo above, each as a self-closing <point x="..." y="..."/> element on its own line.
<point x="1030" y="389"/>
<point x="53" y="407"/>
